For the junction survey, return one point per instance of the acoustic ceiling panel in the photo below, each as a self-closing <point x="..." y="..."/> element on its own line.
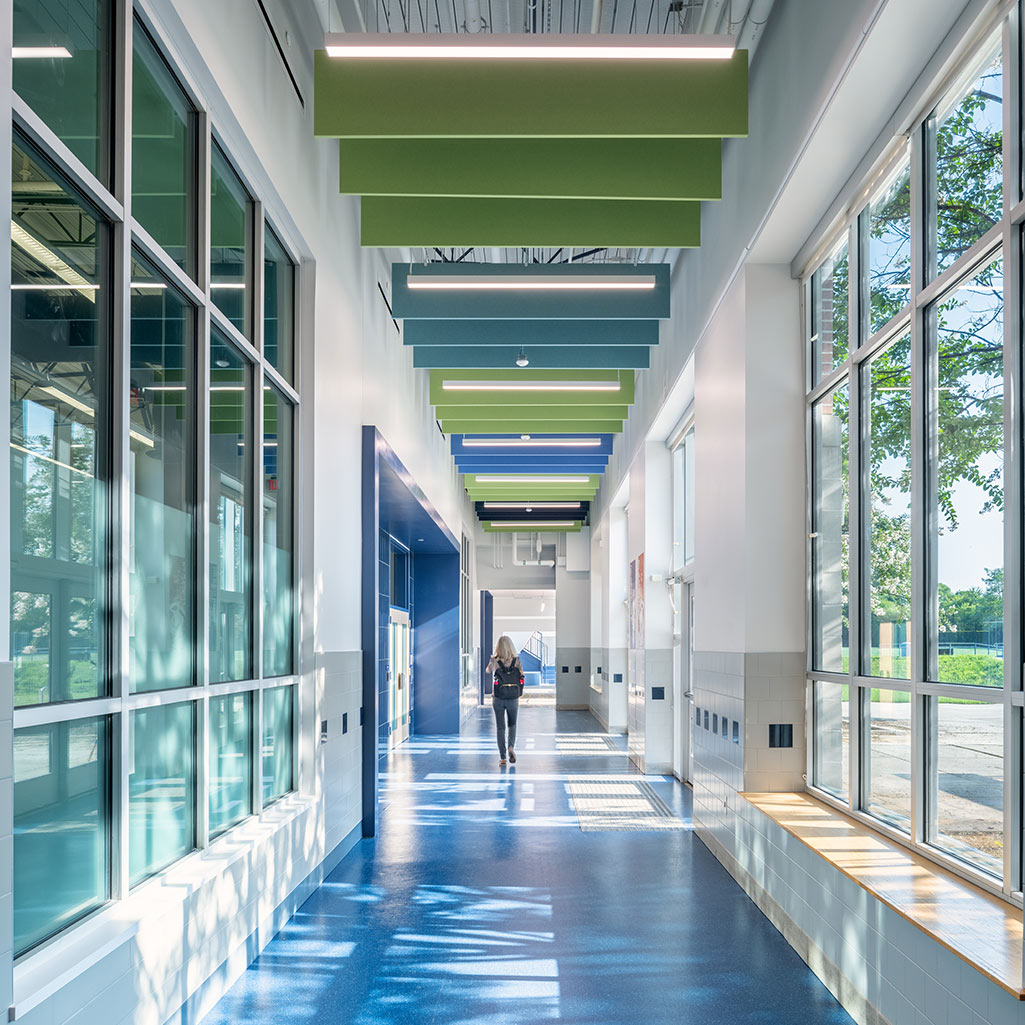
<point x="443" y="221"/>
<point x="411" y="300"/>
<point x="533" y="168"/>
<point x="517" y="333"/>
<point x="422" y="98"/>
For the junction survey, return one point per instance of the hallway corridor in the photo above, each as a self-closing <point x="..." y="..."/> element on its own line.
<point x="483" y="901"/>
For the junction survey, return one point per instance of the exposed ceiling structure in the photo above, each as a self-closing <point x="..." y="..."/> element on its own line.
<point x="541" y="183"/>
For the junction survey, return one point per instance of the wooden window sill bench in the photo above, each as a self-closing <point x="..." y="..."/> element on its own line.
<point x="981" y="929"/>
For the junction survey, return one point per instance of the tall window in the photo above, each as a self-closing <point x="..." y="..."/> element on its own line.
<point x="910" y="491"/>
<point x="138" y="478"/>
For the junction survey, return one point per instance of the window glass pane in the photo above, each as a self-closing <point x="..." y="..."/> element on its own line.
<point x="62" y="61"/>
<point x="162" y="470"/>
<point x="278" y="438"/>
<point x="230" y="761"/>
<point x="888" y="412"/>
<point x="968" y="139"/>
<point x="61" y="826"/>
<point x="679" y="506"/>
<point x="231" y="530"/>
<point x="832" y="736"/>
<point x="163" y="153"/>
<point x="887" y="759"/>
<point x="161" y="787"/>
<point x="230" y="242"/>
<point x="829" y="335"/>
<point x="60" y="370"/>
<point x="277" y="743"/>
<point x="831" y="530"/>
<point x="689" y="496"/>
<point x="968" y="486"/>
<point x="967" y="781"/>
<point x="889" y="250"/>
<point x="278" y="306"/>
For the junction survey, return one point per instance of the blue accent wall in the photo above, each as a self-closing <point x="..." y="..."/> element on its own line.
<point x="436" y="660"/>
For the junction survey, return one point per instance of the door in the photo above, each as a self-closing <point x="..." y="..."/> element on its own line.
<point x="400" y="677"/>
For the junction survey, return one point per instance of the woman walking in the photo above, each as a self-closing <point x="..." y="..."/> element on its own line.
<point x="507" y="670"/>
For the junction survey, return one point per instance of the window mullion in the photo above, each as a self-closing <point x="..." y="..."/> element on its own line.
<point x="1014" y="496"/>
<point x="119" y="579"/>
<point x="259" y="473"/>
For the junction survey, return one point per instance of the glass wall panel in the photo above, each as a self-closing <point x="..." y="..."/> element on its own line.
<point x="966" y="196"/>
<point x="60" y="398"/>
<point x="278" y="307"/>
<point x="231" y="513"/>
<point x="62" y="62"/>
<point x="887" y="758"/>
<point x="278" y="497"/>
<point x="832" y="732"/>
<point x="163" y="153"/>
<point x="162" y="471"/>
<point x="231" y="219"/>
<point x="889" y="250"/>
<point x="830" y="337"/>
<point x="277" y="743"/>
<point x="230" y="760"/>
<point x="830" y="510"/>
<point x="689" y="496"/>
<point x="161" y="787"/>
<point x="887" y="410"/>
<point x="966" y="781"/>
<point x="968" y="483"/>
<point x="61" y="826"/>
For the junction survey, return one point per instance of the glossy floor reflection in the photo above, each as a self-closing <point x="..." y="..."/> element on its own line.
<point x="481" y="901"/>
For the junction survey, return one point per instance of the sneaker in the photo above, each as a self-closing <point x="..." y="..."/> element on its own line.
<point x="501" y="763"/>
<point x="512" y="756"/>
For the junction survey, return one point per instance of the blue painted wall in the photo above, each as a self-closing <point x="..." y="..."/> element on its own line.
<point x="436" y="647"/>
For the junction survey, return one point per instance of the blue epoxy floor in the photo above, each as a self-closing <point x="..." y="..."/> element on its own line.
<point x="481" y="901"/>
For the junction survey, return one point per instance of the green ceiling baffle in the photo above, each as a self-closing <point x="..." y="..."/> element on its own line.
<point x="581" y="156"/>
<point x="441" y="221"/>
<point x="527" y="168"/>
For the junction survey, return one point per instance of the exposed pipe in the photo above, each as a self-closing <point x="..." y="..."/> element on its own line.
<point x="595" y="15"/>
<point x="471" y="8"/>
<point x="752" y="30"/>
<point x="710" y="16"/>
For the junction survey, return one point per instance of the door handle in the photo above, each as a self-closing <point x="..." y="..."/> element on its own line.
<point x="688" y="694"/>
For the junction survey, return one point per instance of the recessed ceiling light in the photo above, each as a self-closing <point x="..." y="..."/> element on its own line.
<point x="554" y="46"/>
<point x="521" y="359"/>
<point x="530" y="385"/>
<point x="529" y="509"/>
<point x="531" y="283"/>
<point x="531" y="442"/>
<point x="524" y="437"/>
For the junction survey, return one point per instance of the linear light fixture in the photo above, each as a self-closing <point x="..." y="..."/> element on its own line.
<point x="53" y="286"/>
<point x="40" y="52"/>
<point x="531" y="442"/>
<point x="50" y="459"/>
<point x="28" y="243"/>
<point x="75" y="403"/>
<point x="182" y="387"/>
<point x="531" y="525"/>
<point x="545" y="479"/>
<point x="530" y="386"/>
<point x="527" y="506"/>
<point x="531" y="283"/>
<point x="237" y="286"/>
<point x="513" y="46"/>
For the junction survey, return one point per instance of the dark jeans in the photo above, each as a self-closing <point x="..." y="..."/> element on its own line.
<point x="506" y="707"/>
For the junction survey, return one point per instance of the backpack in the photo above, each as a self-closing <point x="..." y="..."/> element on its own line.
<point x="507" y="680"/>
